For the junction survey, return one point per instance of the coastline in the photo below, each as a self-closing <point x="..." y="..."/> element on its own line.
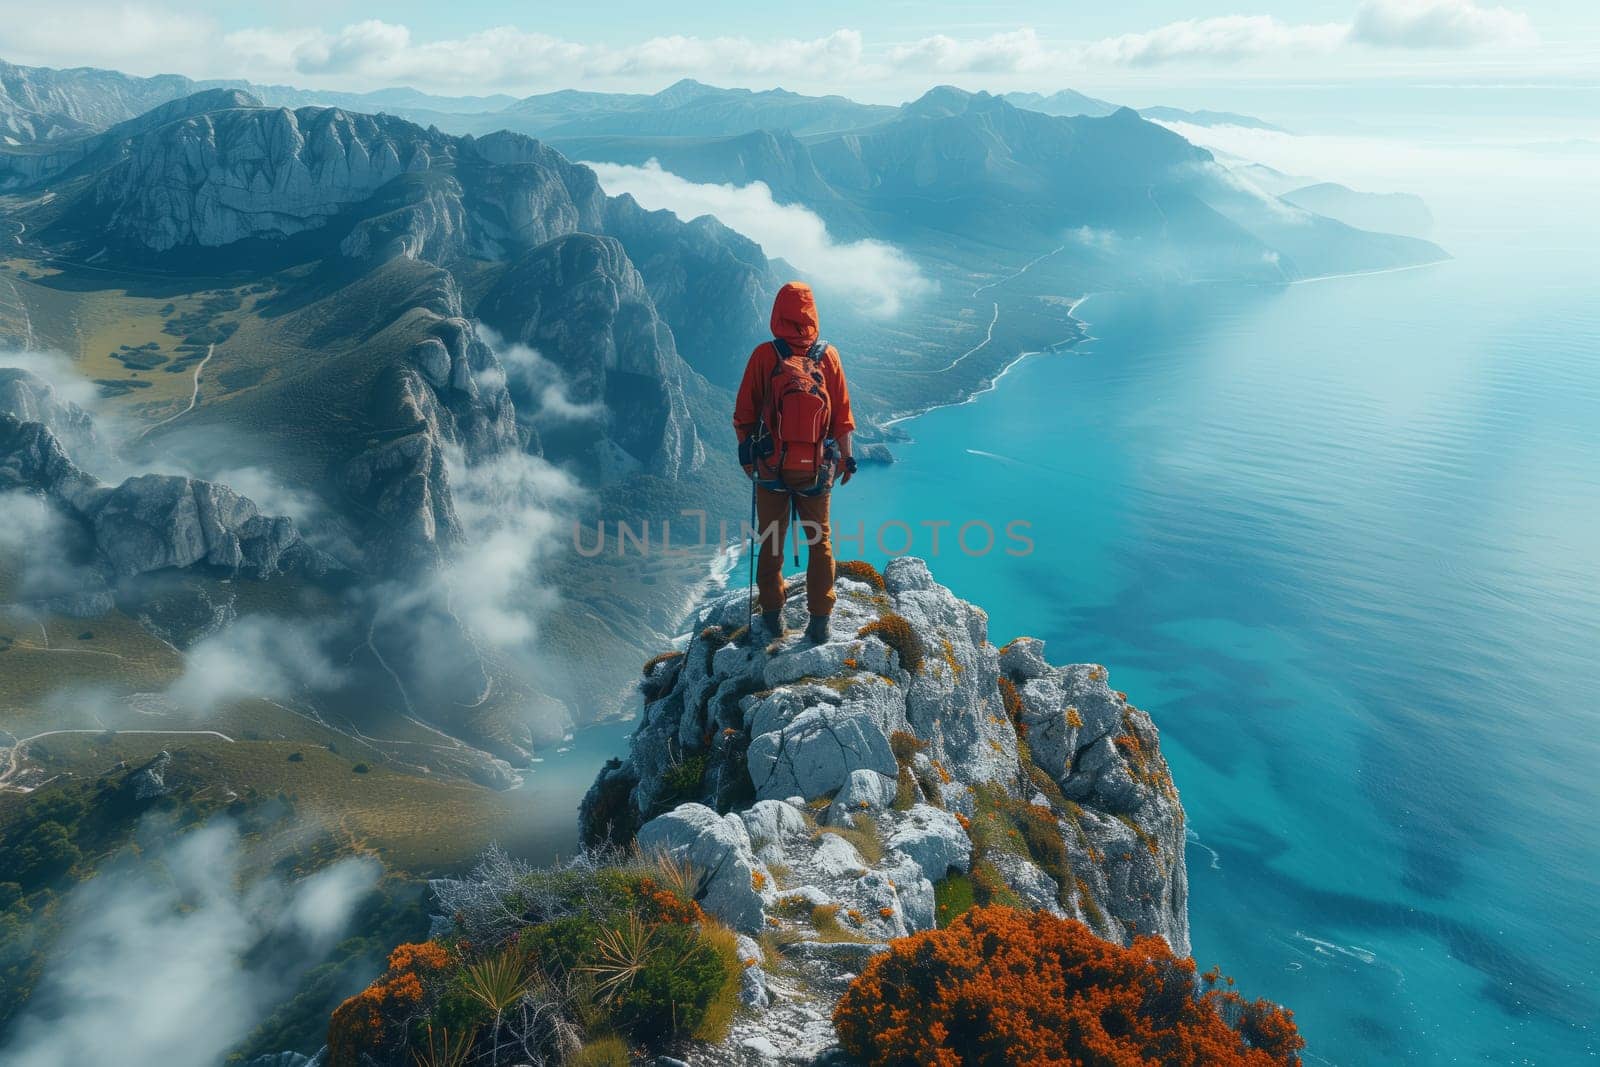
<point x="988" y="384"/>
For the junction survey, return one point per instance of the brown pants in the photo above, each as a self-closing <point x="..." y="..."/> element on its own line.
<point x="772" y="532"/>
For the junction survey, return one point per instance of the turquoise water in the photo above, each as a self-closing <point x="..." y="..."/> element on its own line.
<point x="1340" y="539"/>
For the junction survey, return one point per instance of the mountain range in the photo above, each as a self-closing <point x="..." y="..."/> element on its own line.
<point x="326" y="425"/>
<point x="325" y="271"/>
<point x="41" y="103"/>
<point x="438" y="346"/>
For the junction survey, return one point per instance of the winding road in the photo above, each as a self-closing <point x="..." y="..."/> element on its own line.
<point x="194" y="395"/>
<point x="14" y="754"/>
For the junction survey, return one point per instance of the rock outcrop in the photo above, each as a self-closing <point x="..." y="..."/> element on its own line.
<point x="843" y="794"/>
<point x="39" y="103"/>
<point x="449" y="392"/>
<point x="712" y="284"/>
<point x="28" y="398"/>
<point x="150" y="522"/>
<point x="578" y="301"/>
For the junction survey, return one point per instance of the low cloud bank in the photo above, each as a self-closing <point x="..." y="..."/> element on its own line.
<point x="1398" y="163"/>
<point x="257" y="656"/>
<point x="170" y="957"/>
<point x="876" y="276"/>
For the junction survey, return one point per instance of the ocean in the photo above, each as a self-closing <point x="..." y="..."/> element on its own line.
<point x="1342" y="540"/>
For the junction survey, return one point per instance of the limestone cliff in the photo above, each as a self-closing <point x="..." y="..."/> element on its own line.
<point x="148" y="523"/>
<point x="847" y="793"/>
<point x="580" y="303"/>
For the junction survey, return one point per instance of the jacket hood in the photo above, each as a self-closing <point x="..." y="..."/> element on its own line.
<point x="794" y="316"/>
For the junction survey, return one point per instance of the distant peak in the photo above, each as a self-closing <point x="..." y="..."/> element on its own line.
<point x="217" y="99"/>
<point x="943" y="100"/>
<point x="685" y="89"/>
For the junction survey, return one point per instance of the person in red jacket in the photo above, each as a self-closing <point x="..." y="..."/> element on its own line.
<point x="793" y="419"/>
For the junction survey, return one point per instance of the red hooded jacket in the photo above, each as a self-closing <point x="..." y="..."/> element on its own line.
<point x="794" y="321"/>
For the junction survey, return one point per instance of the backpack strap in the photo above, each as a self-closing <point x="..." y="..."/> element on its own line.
<point x="818" y="349"/>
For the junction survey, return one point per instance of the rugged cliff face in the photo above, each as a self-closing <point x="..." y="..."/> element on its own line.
<point x="38" y="103"/>
<point x="579" y="301"/>
<point x="856" y="791"/>
<point x="147" y="523"/>
<point x="713" y="285"/>
<point x="534" y="231"/>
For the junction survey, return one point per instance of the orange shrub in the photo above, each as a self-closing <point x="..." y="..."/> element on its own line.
<point x="374" y="1017"/>
<point x="860" y="570"/>
<point x="1000" y="987"/>
<point x="894" y="631"/>
<point x="655" y="661"/>
<point x="1010" y="699"/>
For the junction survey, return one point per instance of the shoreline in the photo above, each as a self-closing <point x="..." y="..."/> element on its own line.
<point x="987" y="385"/>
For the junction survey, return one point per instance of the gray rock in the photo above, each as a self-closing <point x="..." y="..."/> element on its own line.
<point x="815" y="753"/>
<point x="1023" y="659"/>
<point x="150" y="781"/>
<point x="933" y="840"/>
<point x="432" y="360"/>
<point x="154" y="522"/>
<point x="753" y="992"/>
<point x="28" y="398"/>
<point x="579" y="301"/>
<point x="866" y="790"/>
<point x="805" y="730"/>
<point x="770" y="823"/>
<point x="762" y="1048"/>
<point x="835" y="857"/>
<point x="719" y="848"/>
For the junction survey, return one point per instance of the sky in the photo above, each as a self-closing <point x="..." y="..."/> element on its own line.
<point x="1213" y="53"/>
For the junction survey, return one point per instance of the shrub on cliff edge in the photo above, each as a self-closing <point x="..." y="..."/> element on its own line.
<point x="1000" y="987"/>
<point x="896" y="632"/>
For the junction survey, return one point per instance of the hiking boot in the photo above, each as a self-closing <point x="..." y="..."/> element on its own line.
<point x="772" y="624"/>
<point x="817" y="630"/>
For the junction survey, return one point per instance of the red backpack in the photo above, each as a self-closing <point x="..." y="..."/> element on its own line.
<point x="797" y="414"/>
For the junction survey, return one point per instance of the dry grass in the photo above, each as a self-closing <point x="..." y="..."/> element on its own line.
<point x="725" y="1005"/>
<point x="863" y="835"/>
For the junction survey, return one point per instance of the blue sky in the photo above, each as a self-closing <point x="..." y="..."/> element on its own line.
<point x="1221" y="53"/>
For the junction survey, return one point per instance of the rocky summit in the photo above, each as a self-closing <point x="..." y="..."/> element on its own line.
<point x="832" y="797"/>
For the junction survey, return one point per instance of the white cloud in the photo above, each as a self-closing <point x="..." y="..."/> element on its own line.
<point x="168" y="960"/>
<point x="514" y="510"/>
<point x="874" y="275"/>
<point x="1438" y="24"/>
<point x="379" y="52"/>
<point x="1227" y="37"/>
<point x="85" y="34"/>
<point x="1402" y="163"/>
<point x="1016" y="52"/>
<point x="1093" y="237"/>
<point x="530" y="374"/>
<point x="36" y="542"/>
<point x="58" y="372"/>
<point x="374" y="53"/>
<point x="372" y="45"/>
<point x="258" y="656"/>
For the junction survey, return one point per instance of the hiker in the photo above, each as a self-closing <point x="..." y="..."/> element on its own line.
<point x="793" y="419"/>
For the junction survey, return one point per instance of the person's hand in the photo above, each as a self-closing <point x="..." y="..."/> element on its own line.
<point x="847" y="469"/>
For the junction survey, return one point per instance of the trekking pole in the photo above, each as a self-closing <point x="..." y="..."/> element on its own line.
<point x="749" y="592"/>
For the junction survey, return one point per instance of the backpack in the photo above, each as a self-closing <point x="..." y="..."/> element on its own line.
<point x="796" y="416"/>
